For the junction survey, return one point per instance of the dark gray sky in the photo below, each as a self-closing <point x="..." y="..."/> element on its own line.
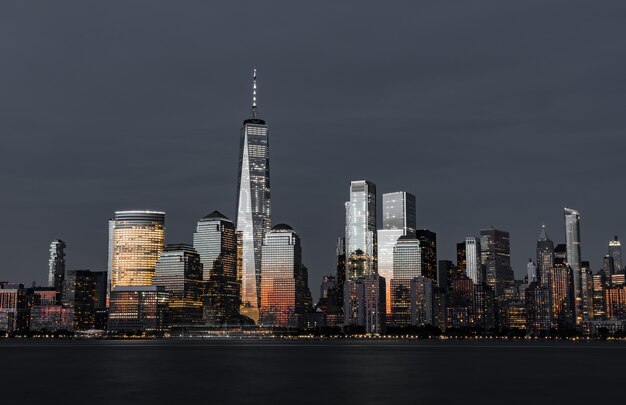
<point x="492" y="112"/>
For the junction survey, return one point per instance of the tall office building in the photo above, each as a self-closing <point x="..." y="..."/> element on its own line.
<point x="80" y="295"/>
<point x="253" y="205"/>
<point x="361" y="240"/>
<point x="545" y="254"/>
<point x="341" y="269"/>
<point x="398" y="220"/>
<point x="495" y="251"/>
<point x="179" y="272"/>
<point x="422" y="301"/>
<point x="615" y="251"/>
<point x="282" y="279"/>
<point x="599" y="286"/>
<point x="473" y="266"/>
<point x="215" y="240"/>
<point x="56" y="266"/>
<point x="561" y="286"/>
<point x="138" y="309"/>
<point x="136" y="238"/>
<point x="407" y="264"/>
<point x="608" y="266"/>
<point x="364" y="303"/>
<point x="538" y="308"/>
<point x="428" y="241"/>
<point x="572" y="243"/>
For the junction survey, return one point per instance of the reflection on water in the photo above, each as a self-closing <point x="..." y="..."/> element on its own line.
<point x="213" y="372"/>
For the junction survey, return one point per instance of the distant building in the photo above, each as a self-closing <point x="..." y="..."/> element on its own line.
<point x="398" y="220"/>
<point x="572" y="243"/>
<point x="538" y="309"/>
<point x="283" y="283"/>
<point x="615" y="298"/>
<point x="341" y="268"/>
<point x="495" y="252"/>
<point x="407" y="264"/>
<point x="138" y="309"/>
<point x="561" y="286"/>
<point x="179" y="272"/>
<point x="136" y="238"/>
<point x="56" y="266"/>
<point x="51" y="318"/>
<point x="364" y="303"/>
<point x="545" y="255"/>
<point x="215" y="241"/>
<point x="615" y="251"/>
<point x="473" y="266"/>
<point x="80" y="295"/>
<point x="599" y="285"/>
<point x="422" y="308"/>
<point x="361" y="235"/>
<point x="428" y="240"/>
<point x="13" y="308"/>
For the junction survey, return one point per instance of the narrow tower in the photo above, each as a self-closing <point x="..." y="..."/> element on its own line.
<point x="253" y="205"/>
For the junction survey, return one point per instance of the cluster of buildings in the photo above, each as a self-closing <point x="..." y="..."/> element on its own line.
<point x="250" y="274"/>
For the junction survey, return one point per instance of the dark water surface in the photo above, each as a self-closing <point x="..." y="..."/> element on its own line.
<point x="311" y="372"/>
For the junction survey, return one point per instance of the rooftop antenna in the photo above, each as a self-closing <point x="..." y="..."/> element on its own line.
<point x="254" y="93"/>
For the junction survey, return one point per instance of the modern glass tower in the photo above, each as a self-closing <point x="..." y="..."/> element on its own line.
<point x="545" y="255"/>
<point x="215" y="240"/>
<point x="253" y="205"/>
<point x="136" y="239"/>
<point x="615" y="251"/>
<point x="56" y="266"/>
<point x="282" y="279"/>
<point x="398" y="220"/>
<point x="361" y="240"/>
<point x="572" y="243"/>
<point x="495" y="253"/>
<point x="473" y="267"/>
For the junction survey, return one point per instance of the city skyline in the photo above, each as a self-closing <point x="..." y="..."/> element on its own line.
<point x="422" y="155"/>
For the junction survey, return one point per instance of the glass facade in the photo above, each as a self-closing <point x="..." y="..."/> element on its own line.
<point x="615" y="251"/>
<point x="407" y="264"/>
<point x="282" y="279"/>
<point x="545" y="255"/>
<point x="80" y="296"/>
<point x="572" y="243"/>
<point x="136" y="240"/>
<point x="215" y="240"/>
<point x="138" y="309"/>
<point x="253" y="209"/>
<point x="428" y="241"/>
<point x="56" y="266"/>
<point x="473" y="266"/>
<point x="179" y="272"/>
<point x="495" y="254"/>
<point x="361" y="235"/>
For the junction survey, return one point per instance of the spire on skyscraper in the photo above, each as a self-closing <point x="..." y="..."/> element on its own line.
<point x="543" y="235"/>
<point x="254" y="92"/>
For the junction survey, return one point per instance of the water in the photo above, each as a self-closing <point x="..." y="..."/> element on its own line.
<point x="311" y="372"/>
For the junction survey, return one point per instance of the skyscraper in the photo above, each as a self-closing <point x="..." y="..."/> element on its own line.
<point x="215" y="240"/>
<point x="253" y="205"/>
<point x="407" y="264"/>
<point x="398" y="220"/>
<point x="615" y="251"/>
<point x="80" y="295"/>
<point x="341" y="269"/>
<point x="428" y="241"/>
<point x="495" y="252"/>
<point x="473" y="267"/>
<point x="361" y="240"/>
<point x="531" y="271"/>
<point x="545" y="255"/>
<point x="179" y="272"/>
<point x="572" y="243"/>
<point x="282" y="279"/>
<point x="56" y="267"/>
<point x="136" y="239"/>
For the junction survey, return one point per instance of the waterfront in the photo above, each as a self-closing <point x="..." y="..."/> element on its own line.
<point x="311" y="372"/>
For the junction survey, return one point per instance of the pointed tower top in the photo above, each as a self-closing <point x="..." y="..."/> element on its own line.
<point x="543" y="235"/>
<point x="254" y="92"/>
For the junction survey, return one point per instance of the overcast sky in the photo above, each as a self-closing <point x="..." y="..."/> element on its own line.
<point x="491" y="112"/>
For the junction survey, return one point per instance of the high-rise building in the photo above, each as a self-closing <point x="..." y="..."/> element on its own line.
<point x="407" y="264"/>
<point x="495" y="252"/>
<point x="572" y="243"/>
<point x="545" y="254"/>
<point x="253" y="205"/>
<point x="138" y="309"/>
<point x="460" y="307"/>
<point x="599" y="285"/>
<point x="215" y="240"/>
<point x="282" y="279"/>
<point x="473" y="266"/>
<point x="428" y="240"/>
<point x="361" y="240"/>
<point x="531" y="271"/>
<point x="561" y="286"/>
<point x="422" y="301"/>
<point x="179" y="272"/>
<point x="615" y="251"/>
<point x="461" y="258"/>
<point x="364" y="303"/>
<point x="13" y="307"/>
<point x="446" y="272"/>
<point x="80" y="295"/>
<point x="56" y="266"/>
<point x="608" y="265"/>
<point x="586" y="291"/>
<point x="615" y="298"/>
<point x="398" y="220"/>
<point x="341" y="269"/>
<point x="136" y="238"/>
<point x="538" y="308"/>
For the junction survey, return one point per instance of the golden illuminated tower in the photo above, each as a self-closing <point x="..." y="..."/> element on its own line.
<point x="136" y="238"/>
